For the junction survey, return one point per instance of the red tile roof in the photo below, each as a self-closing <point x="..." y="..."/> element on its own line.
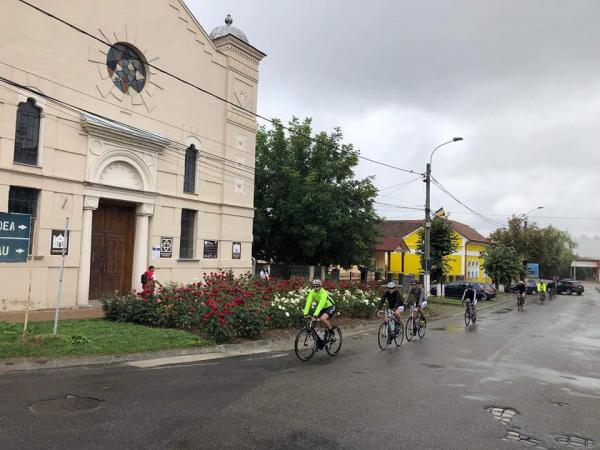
<point x="391" y="244"/>
<point x="402" y="228"/>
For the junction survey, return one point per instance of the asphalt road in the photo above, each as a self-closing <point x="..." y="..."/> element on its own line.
<point x="530" y="375"/>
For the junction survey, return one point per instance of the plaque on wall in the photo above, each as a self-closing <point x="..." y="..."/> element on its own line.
<point x="236" y="250"/>
<point x="211" y="249"/>
<point x="59" y="242"/>
<point x="166" y="247"/>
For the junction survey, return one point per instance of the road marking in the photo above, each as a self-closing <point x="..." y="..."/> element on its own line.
<point x="186" y="359"/>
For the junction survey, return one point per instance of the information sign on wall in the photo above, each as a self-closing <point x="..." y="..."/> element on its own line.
<point x="211" y="249"/>
<point x="58" y="242"/>
<point x="166" y="247"/>
<point x="236" y="250"/>
<point x="14" y="237"/>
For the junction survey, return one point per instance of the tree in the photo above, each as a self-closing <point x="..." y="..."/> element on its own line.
<point x="309" y="207"/>
<point x="503" y="264"/>
<point x="550" y="247"/>
<point x="443" y="242"/>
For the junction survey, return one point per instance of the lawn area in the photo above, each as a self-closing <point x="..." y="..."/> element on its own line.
<point x="87" y="337"/>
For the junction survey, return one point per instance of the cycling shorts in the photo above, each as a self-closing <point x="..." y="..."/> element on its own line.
<point x="329" y="311"/>
<point x="474" y="301"/>
<point x="399" y="308"/>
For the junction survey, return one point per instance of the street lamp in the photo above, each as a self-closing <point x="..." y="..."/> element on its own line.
<point x="427" y="214"/>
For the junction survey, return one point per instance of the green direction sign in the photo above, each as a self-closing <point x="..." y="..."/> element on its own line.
<point x="14" y="237"/>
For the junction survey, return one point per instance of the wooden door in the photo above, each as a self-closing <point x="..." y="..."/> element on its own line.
<point x="113" y="231"/>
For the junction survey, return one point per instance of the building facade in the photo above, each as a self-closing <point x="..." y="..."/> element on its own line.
<point x="400" y="256"/>
<point x="147" y="168"/>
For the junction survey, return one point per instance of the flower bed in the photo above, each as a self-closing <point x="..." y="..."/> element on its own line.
<point x="224" y="307"/>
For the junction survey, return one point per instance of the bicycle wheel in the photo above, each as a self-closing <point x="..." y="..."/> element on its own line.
<point x="305" y="345"/>
<point x="467" y="317"/>
<point x="383" y="336"/>
<point x="335" y="342"/>
<point x="409" y="329"/>
<point x="422" y="328"/>
<point x="399" y="337"/>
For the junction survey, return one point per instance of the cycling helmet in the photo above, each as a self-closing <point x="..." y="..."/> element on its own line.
<point x="317" y="283"/>
<point x="391" y="285"/>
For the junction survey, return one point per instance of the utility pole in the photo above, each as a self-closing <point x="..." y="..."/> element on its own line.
<point x="426" y="283"/>
<point x="427" y="256"/>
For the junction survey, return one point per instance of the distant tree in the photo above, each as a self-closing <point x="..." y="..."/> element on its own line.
<point x="309" y="207"/>
<point x="550" y="247"/>
<point x="443" y="243"/>
<point x="503" y="264"/>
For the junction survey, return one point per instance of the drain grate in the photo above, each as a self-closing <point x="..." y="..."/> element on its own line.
<point x="573" y="441"/>
<point x="69" y="405"/>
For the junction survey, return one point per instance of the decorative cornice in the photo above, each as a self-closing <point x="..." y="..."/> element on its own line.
<point x="105" y="128"/>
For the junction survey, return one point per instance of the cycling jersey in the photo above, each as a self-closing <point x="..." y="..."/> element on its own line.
<point x="470" y="295"/>
<point x="541" y="287"/>
<point x="416" y="294"/>
<point x="321" y="298"/>
<point x="393" y="298"/>
<point x="521" y="288"/>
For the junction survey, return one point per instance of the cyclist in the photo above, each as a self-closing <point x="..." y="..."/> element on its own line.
<point x="551" y="286"/>
<point x="416" y="294"/>
<point x="395" y="302"/>
<point x="471" y="295"/>
<point x="521" y="290"/>
<point x="541" y="289"/>
<point x="325" y="308"/>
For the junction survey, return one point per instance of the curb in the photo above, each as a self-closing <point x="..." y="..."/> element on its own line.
<point x="221" y="350"/>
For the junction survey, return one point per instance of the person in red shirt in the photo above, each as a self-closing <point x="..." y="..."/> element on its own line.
<point x="149" y="281"/>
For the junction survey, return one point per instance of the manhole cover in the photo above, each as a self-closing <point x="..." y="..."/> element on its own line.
<point x="71" y="404"/>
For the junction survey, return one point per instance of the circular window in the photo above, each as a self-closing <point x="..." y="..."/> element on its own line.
<point x="126" y="68"/>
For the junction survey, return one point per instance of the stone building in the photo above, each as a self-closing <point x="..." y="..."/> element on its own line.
<point x="147" y="168"/>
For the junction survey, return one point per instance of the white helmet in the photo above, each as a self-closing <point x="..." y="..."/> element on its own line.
<point x="317" y="283"/>
<point x="391" y="285"/>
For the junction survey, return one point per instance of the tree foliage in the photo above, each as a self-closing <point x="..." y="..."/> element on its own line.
<point x="503" y="264"/>
<point x="309" y="207"/>
<point x="443" y="242"/>
<point x="550" y="247"/>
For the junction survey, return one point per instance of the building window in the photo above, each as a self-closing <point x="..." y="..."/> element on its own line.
<point x="189" y="175"/>
<point x="126" y="68"/>
<point x="24" y="200"/>
<point x="186" y="245"/>
<point x="27" y="135"/>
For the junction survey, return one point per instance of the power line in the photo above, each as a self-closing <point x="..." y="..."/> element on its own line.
<point x="481" y="216"/>
<point x="399" y="184"/>
<point x="238" y="166"/>
<point x="400" y="206"/>
<point x="211" y="94"/>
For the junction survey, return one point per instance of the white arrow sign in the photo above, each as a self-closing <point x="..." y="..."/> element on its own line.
<point x="19" y="251"/>
<point x="22" y="227"/>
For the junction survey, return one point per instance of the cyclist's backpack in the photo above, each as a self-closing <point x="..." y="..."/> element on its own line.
<point x="144" y="279"/>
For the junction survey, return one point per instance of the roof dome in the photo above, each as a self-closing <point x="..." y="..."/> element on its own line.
<point x="227" y="29"/>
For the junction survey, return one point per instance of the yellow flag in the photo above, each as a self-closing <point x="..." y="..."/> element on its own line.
<point x="440" y="213"/>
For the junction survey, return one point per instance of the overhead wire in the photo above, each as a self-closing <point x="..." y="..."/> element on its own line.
<point x="448" y="193"/>
<point x="273" y="122"/>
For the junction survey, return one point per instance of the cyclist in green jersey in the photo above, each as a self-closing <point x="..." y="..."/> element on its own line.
<point x="325" y="308"/>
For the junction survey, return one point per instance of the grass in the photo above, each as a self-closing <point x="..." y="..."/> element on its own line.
<point x="89" y="337"/>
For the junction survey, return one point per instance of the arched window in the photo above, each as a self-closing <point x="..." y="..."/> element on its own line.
<point x="27" y="135"/>
<point x="189" y="175"/>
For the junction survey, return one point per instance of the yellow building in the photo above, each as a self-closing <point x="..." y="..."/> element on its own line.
<point x="396" y="251"/>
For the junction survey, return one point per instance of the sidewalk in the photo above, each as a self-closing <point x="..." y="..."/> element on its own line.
<point x="43" y="315"/>
<point x="182" y="355"/>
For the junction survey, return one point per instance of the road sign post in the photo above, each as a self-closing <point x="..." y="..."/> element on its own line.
<point x="15" y="232"/>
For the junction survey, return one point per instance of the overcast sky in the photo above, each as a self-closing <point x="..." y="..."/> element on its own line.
<point x="518" y="80"/>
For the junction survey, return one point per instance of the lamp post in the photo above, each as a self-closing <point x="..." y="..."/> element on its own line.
<point x="428" y="217"/>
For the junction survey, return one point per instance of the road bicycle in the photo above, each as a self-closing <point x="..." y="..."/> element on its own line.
<point x="309" y="341"/>
<point x="469" y="314"/>
<point x="390" y="330"/>
<point x="520" y="301"/>
<point x="541" y="297"/>
<point x="415" y="324"/>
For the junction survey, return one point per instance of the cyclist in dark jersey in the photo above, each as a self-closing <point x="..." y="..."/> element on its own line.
<point x="395" y="301"/>
<point x="471" y="295"/>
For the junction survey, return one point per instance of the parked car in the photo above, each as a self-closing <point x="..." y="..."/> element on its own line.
<point x="569" y="287"/>
<point x="530" y="290"/>
<point x="490" y="289"/>
<point x="456" y="289"/>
